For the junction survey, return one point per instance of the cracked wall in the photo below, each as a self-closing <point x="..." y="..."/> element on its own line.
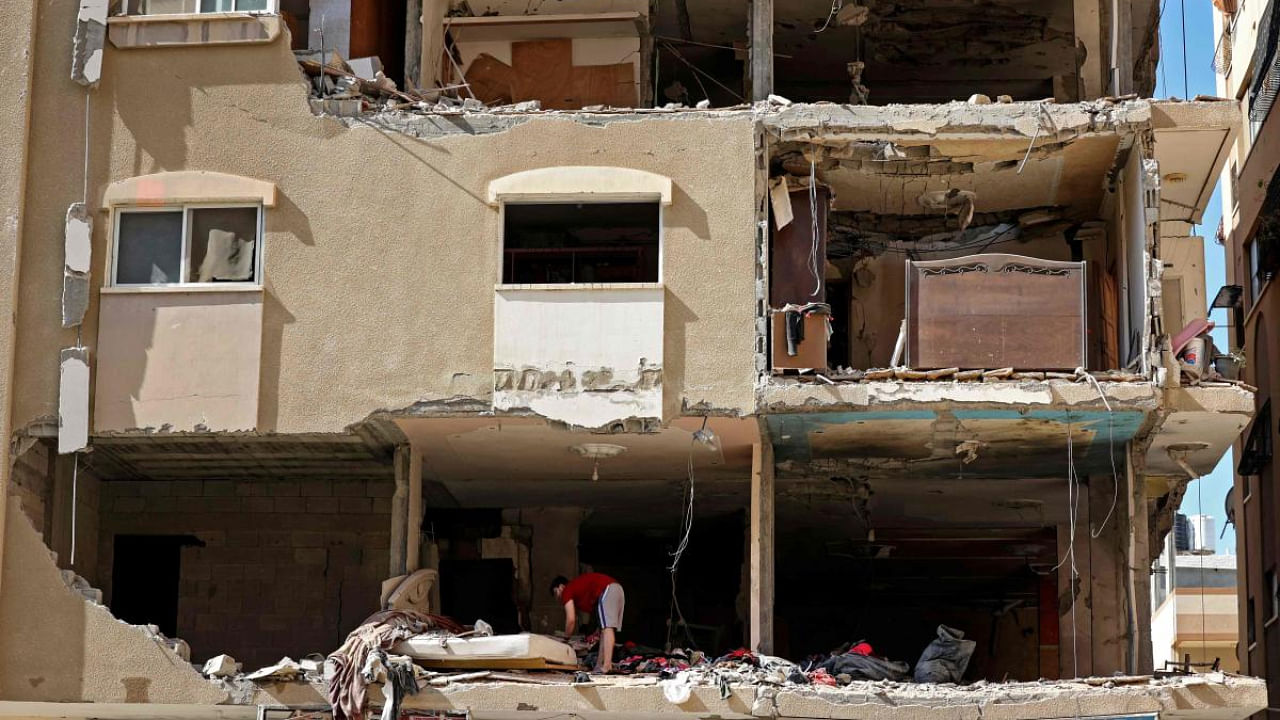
<point x="381" y="255"/>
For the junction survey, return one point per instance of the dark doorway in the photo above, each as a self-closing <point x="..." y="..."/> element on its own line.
<point x="144" y="579"/>
<point x="480" y="590"/>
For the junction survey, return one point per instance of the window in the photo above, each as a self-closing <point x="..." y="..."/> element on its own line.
<point x="173" y="7"/>
<point x="187" y="245"/>
<point x="571" y="243"/>
<point x="1257" y="446"/>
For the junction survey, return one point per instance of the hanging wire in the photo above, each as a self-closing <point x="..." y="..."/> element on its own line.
<point x="1186" y="92"/>
<point x="835" y="8"/>
<point x="814" y="237"/>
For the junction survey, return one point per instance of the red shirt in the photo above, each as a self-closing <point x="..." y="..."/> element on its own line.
<point x="585" y="591"/>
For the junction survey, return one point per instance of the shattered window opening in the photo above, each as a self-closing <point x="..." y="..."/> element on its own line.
<point x="187" y="245"/>
<point x="575" y="242"/>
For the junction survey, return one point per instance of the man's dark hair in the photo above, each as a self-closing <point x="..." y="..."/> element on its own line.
<point x="558" y="582"/>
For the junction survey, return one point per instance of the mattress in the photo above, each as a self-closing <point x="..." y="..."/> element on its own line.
<point x="525" y="646"/>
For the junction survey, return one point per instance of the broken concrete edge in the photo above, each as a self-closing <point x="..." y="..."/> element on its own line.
<point x="801" y="121"/>
<point x="776" y="397"/>
<point x="1213" y="695"/>
<point x="88" y="42"/>
<point x="51" y="623"/>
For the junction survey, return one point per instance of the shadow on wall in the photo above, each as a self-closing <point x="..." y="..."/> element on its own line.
<point x="275" y="316"/>
<point x="675" y="353"/>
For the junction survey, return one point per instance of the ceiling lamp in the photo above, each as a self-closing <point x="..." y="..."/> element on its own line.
<point x="596" y="452"/>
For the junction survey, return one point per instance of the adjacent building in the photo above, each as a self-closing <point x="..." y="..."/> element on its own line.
<point x="849" y="325"/>
<point x="1246" y="61"/>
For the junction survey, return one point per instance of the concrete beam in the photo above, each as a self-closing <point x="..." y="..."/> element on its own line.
<point x="432" y="13"/>
<point x="1088" y="30"/>
<point x="762" y="546"/>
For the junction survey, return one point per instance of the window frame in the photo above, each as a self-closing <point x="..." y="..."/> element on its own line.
<point x="185" y="256"/>
<point x="574" y="199"/>
<point x="273" y="8"/>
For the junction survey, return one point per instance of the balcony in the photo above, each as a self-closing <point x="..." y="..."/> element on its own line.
<point x="588" y="355"/>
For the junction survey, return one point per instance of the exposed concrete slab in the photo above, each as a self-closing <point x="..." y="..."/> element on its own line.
<point x="814" y="397"/>
<point x="803" y="121"/>
<point x="1201" y="697"/>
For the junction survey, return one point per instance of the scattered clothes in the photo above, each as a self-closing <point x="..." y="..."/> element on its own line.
<point x="865" y="667"/>
<point x="945" y="659"/>
<point x="821" y="677"/>
<point x="581" y="676"/>
<point x="795" y="316"/>
<point x="679" y="689"/>
<point x="347" y="690"/>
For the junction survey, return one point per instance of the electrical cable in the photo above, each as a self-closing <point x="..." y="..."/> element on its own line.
<point x="814" y="236"/>
<point x="1186" y="92"/>
<point x="835" y="8"/>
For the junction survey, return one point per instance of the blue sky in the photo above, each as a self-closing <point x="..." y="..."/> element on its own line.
<point x="1210" y="491"/>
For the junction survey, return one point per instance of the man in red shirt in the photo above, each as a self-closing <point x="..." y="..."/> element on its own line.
<point x="587" y="591"/>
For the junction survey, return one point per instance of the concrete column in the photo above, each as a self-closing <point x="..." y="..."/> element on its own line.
<point x="400" y="511"/>
<point x="1138" y="568"/>
<point x="554" y="551"/>
<point x="762" y="546"/>
<point x="761" y="55"/>
<point x="432" y="13"/>
<point x="1107" y="551"/>
<point x="412" y="42"/>
<point x="413" y="523"/>
<point x="1088" y="30"/>
<point x="1075" y="598"/>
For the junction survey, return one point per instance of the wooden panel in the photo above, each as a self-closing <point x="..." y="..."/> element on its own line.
<point x="811" y="352"/>
<point x="993" y="311"/>
<point x="543" y="70"/>
<point x="791" y="272"/>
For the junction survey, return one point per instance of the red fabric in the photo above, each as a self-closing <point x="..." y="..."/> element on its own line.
<point x="861" y="649"/>
<point x="822" y="677"/>
<point x="585" y="591"/>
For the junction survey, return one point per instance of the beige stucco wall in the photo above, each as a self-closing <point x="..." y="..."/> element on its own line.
<point x="381" y="254"/>
<point x="186" y="359"/>
<point x="17" y="34"/>
<point x="59" y="647"/>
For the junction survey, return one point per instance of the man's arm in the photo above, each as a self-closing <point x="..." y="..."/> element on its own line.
<point x="570" y="619"/>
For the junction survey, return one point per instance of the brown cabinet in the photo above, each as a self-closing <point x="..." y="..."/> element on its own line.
<point x="994" y="311"/>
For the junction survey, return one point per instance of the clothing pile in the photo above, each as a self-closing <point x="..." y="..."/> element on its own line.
<point x="345" y="667"/>
<point x="656" y="661"/>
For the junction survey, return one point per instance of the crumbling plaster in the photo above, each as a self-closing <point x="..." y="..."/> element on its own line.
<point x="380" y="255"/>
<point x="58" y="646"/>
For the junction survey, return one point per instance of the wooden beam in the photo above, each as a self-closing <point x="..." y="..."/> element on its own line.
<point x="761" y="57"/>
<point x="432" y="53"/>
<point x="400" y="512"/>
<point x="762" y="547"/>
<point x="412" y="43"/>
<point x="413" y="539"/>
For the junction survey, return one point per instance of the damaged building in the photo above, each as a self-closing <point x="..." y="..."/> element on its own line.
<point x="830" y="331"/>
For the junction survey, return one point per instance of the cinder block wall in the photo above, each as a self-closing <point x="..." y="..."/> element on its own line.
<point x="287" y="567"/>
